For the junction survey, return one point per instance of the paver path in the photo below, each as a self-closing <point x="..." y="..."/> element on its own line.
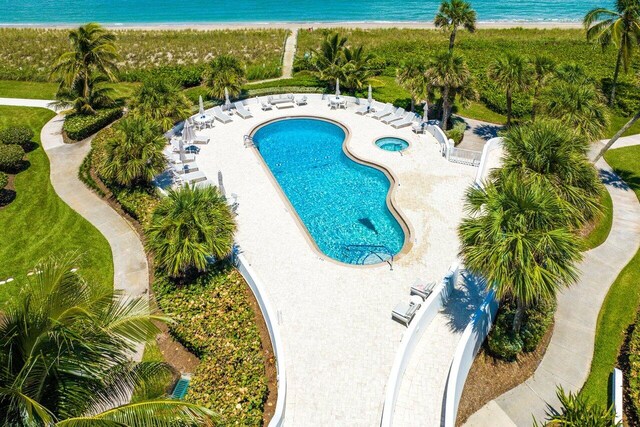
<point x="131" y="272"/>
<point x="568" y="359"/>
<point x="287" y="58"/>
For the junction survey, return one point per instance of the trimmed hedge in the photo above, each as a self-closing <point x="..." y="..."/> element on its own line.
<point x="283" y="89"/>
<point x="4" y="180"/>
<point x="80" y="126"/>
<point x="10" y="157"/>
<point x="213" y="319"/>
<point x="21" y="135"/>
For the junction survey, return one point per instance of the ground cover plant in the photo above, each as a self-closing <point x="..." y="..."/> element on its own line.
<point x="27" y="54"/>
<point x="28" y="227"/>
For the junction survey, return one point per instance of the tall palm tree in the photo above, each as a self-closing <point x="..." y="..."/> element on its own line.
<point x="551" y="155"/>
<point x="134" y="154"/>
<point x="543" y="69"/>
<point x="224" y="71"/>
<point x="356" y="71"/>
<point x="162" y="101"/>
<point x="65" y="348"/>
<point x="93" y="51"/>
<point x="189" y="226"/>
<point x="453" y="14"/>
<point x="620" y="27"/>
<point x="449" y="75"/>
<point x="411" y="76"/>
<point x="513" y="73"/>
<point x="514" y="237"/>
<point x="579" y="106"/>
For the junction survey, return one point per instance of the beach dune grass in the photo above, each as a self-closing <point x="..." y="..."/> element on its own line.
<point x="38" y="224"/>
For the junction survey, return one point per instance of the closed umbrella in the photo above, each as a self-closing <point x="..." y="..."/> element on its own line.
<point x="227" y="102"/>
<point x="337" y="87"/>
<point x="221" y="184"/>
<point x="188" y="134"/>
<point x="181" y="153"/>
<point x="201" y="106"/>
<point x="370" y="97"/>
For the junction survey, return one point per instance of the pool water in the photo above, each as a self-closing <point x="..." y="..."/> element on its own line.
<point x="342" y="203"/>
<point x="392" y="144"/>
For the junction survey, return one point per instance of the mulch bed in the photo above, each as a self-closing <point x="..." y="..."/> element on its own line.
<point x="8" y="194"/>
<point x="490" y="377"/>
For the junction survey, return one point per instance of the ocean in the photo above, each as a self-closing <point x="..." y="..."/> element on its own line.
<point x="128" y="12"/>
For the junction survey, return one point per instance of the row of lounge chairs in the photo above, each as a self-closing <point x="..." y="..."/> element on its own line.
<point x="387" y="113"/>
<point x="404" y="312"/>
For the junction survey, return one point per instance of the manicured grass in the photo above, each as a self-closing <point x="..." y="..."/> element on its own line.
<point x="478" y="111"/>
<point x="599" y="234"/>
<point x="617" y="121"/>
<point x="38" y="224"/>
<point x="619" y="308"/>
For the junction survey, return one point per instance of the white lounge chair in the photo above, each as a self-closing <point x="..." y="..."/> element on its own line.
<point x="407" y="120"/>
<point x="184" y="168"/>
<point x="388" y="109"/>
<point x="200" y="139"/>
<point x="397" y="115"/>
<point x="404" y="312"/>
<point x="221" y="115"/>
<point x="422" y="289"/>
<point x="190" y="178"/>
<point x="363" y="109"/>
<point x="175" y="158"/>
<point x="301" y="101"/>
<point x="242" y="111"/>
<point x="265" y="105"/>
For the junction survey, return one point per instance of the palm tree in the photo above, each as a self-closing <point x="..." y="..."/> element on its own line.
<point x="93" y="51"/>
<point x="162" y="101"/>
<point x="223" y="72"/>
<point x="133" y="155"/>
<point x="356" y="71"/>
<point x="572" y="73"/>
<point x="412" y="78"/>
<point x="189" y="226"/>
<point x="579" y="106"/>
<point x="543" y="69"/>
<point x="514" y="237"/>
<point x="453" y="14"/>
<point x="65" y="355"/>
<point x="577" y="411"/>
<point x="449" y="75"/>
<point x="617" y="136"/>
<point x="100" y="95"/>
<point x="513" y="73"/>
<point x="620" y="27"/>
<point x="551" y="155"/>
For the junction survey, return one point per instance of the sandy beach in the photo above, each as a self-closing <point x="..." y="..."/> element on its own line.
<point x="307" y="25"/>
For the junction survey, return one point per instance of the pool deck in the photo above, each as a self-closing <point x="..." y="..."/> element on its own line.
<point x="335" y="319"/>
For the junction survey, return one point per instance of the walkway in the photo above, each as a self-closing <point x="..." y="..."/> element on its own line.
<point x="567" y="361"/>
<point x="288" y="57"/>
<point x="478" y="133"/>
<point x="131" y="272"/>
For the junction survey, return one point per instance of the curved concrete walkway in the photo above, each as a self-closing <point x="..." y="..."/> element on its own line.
<point x="567" y="361"/>
<point x="131" y="272"/>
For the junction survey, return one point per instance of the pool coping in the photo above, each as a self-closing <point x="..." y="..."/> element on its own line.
<point x="390" y="197"/>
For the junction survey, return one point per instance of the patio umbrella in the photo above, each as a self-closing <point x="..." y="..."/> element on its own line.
<point x="370" y="97"/>
<point x="337" y="87"/>
<point x="181" y="152"/>
<point x="188" y="134"/>
<point x="201" y="106"/>
<point x="227" y="102"/>
<point x="221" y="184"/>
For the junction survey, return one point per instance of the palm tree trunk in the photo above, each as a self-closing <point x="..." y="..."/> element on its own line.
<point x="612" y="98"/>
<point x="445" y="108"/>
<point x="617" y="135"/>
<point x="413" y="104"/>
<point x="452" y="39"/>
<point x="519" y="314"/>
<point x="509" y="100"/>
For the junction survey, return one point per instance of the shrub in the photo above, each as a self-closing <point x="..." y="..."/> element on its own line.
<point x="137" y="202"/>
<point x="80" y="126"/>
<point x="10" y="157"/>
<point x="502" y="342"/>
<point x="537" y="320"/>
<point x="21" y="135"/>
<point x="457" y="132"/>
<point x="4" y="180"/>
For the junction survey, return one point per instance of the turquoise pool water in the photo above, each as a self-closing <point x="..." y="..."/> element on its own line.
<point x="341" y="203"/>
<point x="392" y="144"/>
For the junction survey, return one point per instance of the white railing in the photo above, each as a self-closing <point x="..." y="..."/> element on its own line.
<point x="410" y="339"/>
<point x="271" y="319"/>
<point x="470" y="342"/>
<point x="465" y="157"/>
<point x="486" y="162"/>
<point x="440" y="136"/>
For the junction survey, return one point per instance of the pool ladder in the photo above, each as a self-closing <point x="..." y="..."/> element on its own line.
<point x="248" y="141"/>
<point x="372" y="250"/>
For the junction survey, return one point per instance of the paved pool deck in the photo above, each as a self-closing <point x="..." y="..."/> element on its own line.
<point x="335" y="319"/>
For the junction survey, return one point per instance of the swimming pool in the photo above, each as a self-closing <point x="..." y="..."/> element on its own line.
<point x="342" y="203"/>
<point x="392" y="144"/>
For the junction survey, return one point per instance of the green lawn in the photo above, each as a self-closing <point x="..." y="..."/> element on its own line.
<point x="601" y="231"/>
<point x="38" y="223"/>
<point x="622" y="301"/>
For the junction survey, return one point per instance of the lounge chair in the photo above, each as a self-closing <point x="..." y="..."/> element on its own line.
<point x="175" y="158"/>
<point x="422" y="289"/>
<point x="407" y="120"/>
<point x="241" y="111"/>
<point x="203" y="184"/>
<point x="200" y="140"/>
<point x="388" y="109"/>
<point x="397" y="115"/>
<point x="184" y="168"/>
<point x="364" y="109"/>
<point x="265" y="105"/>
<point x="190" y="178"/>
<point x="301" y="101"/>
<point x="405" y="311"/>
<point x="221" y="115"/>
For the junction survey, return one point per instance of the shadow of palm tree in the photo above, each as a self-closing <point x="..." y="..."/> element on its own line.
<point x="487" y="131"/>
<point x="620" y="179"/>
<point x="464" y="301"/>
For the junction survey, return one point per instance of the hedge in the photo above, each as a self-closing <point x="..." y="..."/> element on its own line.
<point x="80" y="126"/>
<point x="10" y="157"/>
<point x="4" y="180"/>
<point x="21" y="135"/>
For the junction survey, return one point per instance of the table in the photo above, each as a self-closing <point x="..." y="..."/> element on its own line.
<point x="203" y="119"/>
<point x="337" y="102"/>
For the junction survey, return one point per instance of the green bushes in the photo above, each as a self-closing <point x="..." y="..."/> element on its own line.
<point x="633" y="376"/>
<point x="20" y="135"/>
<point x="10" y="157"/>
<point x="213" y="319"/>
<point x="4" y="180"/>
<point x="80" y="126"/>
<point x="457" y="131"/>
